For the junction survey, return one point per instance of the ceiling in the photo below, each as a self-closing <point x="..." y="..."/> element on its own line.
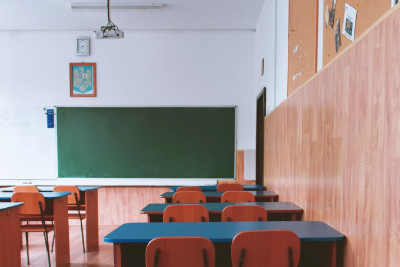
<point x="48" y="15"/>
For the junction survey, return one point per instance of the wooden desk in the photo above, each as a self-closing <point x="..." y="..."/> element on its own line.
<point x="246" y="187"/>
<point x="56" y="203"/>
<point x="10" y="254"/>
<point x="155" y="211"/>
<point x="130" y="240"/>
<point x="89" y="200"/>
<point x="215" y="196"/>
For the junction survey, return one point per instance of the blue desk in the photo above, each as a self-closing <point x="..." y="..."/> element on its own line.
<point x="51" y="188"/>
<point x="89" y="203"/>
<point x="131" y="239"/>
<point x="56" y="205"/>
<point x="55" y="195"/>
<point x="155" y="211"/>
<point x="215" y="196"/>
<point x="6" y="206"/>
<point x="10" y="254"/>
<point x="246" y="187"/>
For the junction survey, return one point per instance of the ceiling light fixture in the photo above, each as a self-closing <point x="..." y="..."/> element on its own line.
<point x="78" y="7"/>
<point x="110" y="31"/>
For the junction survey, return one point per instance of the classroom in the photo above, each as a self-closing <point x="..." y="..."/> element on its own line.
<point x="225" y="133"/>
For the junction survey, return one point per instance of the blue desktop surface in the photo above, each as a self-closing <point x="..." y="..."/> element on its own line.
<point x="309" y="231"/>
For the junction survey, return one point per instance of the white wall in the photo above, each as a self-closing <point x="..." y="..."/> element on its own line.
<point x="275" y="54"/>
<point x="144" y="69"/>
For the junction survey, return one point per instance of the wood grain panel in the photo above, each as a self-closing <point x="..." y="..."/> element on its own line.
<point x="303" y="40"/>
<point x="367" y="13"/>
<point x="333" y="147"/>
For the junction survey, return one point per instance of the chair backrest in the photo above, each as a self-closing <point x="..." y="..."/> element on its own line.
<point x="232" y="196"/>
<point x="26" y="188"/>
<point x="186" y="213"/>
<point x="230" y="187"/>
<point x="189" y="197"/>
<point x="188" y="188"/>
<point x="180" y="252"/>
<point x="244" y="213"/>
<point x="31" y="202"/>
<point x="266" y="248"/>
<point x="67" y="188"/>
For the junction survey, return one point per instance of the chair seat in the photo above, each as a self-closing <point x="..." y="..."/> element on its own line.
<point x="75" y="216"/>
<point x="35" y="218"/>
<point x="36" y="228"/>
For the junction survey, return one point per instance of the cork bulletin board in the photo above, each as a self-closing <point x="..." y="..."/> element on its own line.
<point x="368" y="11"/>
<point x="303" y="41"/>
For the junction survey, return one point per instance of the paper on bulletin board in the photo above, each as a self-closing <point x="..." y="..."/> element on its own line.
<point x="349" y="22"/>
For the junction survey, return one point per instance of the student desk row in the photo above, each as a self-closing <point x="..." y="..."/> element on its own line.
<point x="89" y="200"/>
<point x="57" y="204"/>
<point x="261" y="196"/>
<point x="10" y="234"/>
<point x="318" y="240"/>
<point x="246" y="187"/>
<point x="155" y="211"/>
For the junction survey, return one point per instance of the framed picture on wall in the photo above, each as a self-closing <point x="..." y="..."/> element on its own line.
<point x="82" y="79"/>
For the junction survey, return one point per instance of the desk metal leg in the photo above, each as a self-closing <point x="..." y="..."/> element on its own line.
<point x="117" y="255"/>
<point x="61" y="230"/>
<point x="92" y="220"/>
<point x="10" y="254"/>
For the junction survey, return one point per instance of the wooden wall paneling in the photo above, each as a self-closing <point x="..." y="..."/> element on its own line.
<point x="303" y="41"/>
<point x="367" y="13"/>
<point x="333" y="147"/>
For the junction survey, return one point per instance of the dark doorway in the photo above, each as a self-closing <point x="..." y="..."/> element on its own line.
<point x="261" y="110"/>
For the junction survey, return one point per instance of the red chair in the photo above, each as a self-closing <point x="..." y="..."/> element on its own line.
<point x="26" y="188"/>
<point x="234" y="197"/>
<point x="180" y="252"/>
<point x="230" y="187"/>
<point x="73" y="201"/>
<point x="244" y="213"/>
<point x="277" y="248"/>
<point x="188" y="197"/>
<point x="186" y="213"/>
<point x="34" y="206"/>
<point x="188" y="188"/>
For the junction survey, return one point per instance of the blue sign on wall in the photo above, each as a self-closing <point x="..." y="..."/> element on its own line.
<point x="50" y="118"/>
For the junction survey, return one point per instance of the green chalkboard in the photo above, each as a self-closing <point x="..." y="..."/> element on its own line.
<point x="173" y="142"/>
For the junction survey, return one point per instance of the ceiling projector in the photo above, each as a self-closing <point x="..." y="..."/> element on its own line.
<point x="110" y="31"/>
<point x="109" y="34"/>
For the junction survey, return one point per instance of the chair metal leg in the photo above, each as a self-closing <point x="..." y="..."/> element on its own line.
<point x="290" y="250"/>
<point x="80" y="220"/>
<point x="27" y="247"/>
<point x="241" y="257"/>
<point x="52" y="243"/>
<point x="46" y="240"/>
<point x="45" y="233"/>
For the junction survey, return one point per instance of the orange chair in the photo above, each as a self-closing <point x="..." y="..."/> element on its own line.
<point x="26" y="188"/>
<point x="230" y="187"/>
<point x="180" y="252"/>
<point x="34" y="205"/>
<point x="73" y="201"/>
<point x="232" y="197"/>
<point x="278" y="248"/>
<point x="189" y="188"/>
<point x="244" y="213"/>
<point x="189" y="197"/>
<point x="186" y="213"/>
